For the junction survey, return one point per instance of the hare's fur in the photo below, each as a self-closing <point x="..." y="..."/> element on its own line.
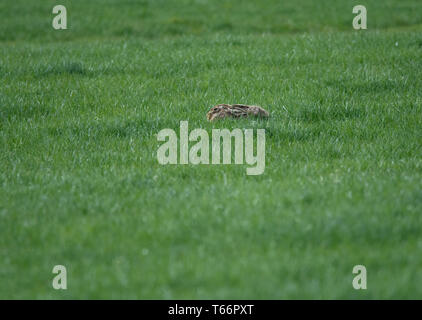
<point x="235" y="111"/>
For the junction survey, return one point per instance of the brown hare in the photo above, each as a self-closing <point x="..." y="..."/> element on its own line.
<point x="235" y="111"/>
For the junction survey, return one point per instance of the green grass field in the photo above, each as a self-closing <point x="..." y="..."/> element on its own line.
<point x="80" y="184"/>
